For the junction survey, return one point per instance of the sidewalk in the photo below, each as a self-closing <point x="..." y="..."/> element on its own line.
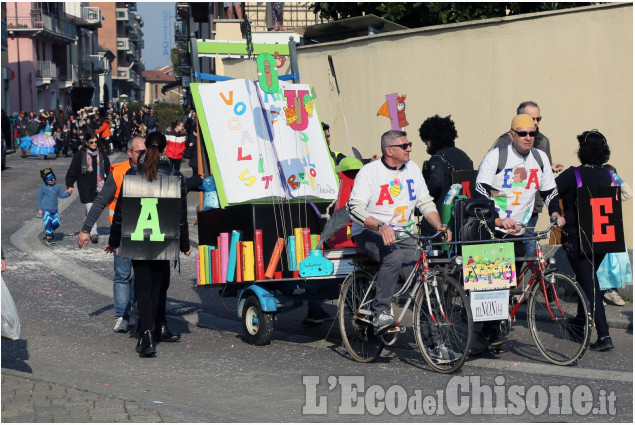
<point x="26" y="398"/>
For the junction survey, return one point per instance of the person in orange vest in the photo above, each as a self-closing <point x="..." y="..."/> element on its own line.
<point x="123" y="281"/>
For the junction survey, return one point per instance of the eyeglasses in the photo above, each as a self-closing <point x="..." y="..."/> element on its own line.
<point x="403" y="146"/>
<point x="139" y="152"/>
<point x="525" y="133"/>
<point x="92" y="142"/>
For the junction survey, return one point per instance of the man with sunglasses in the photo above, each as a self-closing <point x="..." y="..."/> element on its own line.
<point x="513" y="187"/>
<point x="383" y="199"/>
<point x="541" y="142"/>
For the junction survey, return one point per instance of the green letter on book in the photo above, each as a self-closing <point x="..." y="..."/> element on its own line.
<point x="148" y="219"/>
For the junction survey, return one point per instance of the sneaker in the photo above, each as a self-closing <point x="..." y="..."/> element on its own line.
<point x="121" y="325"/>
<point x="94" y="238"/>
<point x="442" y="354"/>
<point x="614" y="298"/>
<point x="383" y="320"/>
<point x="602" y="344"/>
<point x="50" y="240"/>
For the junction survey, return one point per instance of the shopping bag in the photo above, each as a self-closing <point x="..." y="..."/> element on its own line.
<point x="10" y="319"/>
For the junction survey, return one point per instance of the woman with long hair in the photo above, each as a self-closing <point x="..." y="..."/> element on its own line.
<point x="152" y="277"/>
<point x="89" y="168"/>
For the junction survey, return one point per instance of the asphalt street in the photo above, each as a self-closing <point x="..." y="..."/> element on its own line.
<point x="69" y="365"/>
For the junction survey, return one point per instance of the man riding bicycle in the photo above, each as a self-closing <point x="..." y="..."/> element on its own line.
<point x="383" y="198"/>
<point x="511" y="176"/>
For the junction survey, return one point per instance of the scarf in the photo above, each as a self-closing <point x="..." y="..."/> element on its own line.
<point x="88" y="166"/>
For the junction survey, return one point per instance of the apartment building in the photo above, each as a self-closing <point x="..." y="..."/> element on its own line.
<point x="121" y="33"/>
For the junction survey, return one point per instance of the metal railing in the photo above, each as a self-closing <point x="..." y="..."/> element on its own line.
<point x="36" y="19"/>
<point x="91" y="14"/>
<point x="45" y="69"/>
<point x="293" y="15"/>
<point x="99" y="63"/>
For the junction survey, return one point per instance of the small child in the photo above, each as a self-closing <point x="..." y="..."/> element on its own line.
<point x="47" y="203"/>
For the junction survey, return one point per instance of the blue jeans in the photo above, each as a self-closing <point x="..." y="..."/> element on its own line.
<point x="123" y="287"/>
<point x="530" y="246"/>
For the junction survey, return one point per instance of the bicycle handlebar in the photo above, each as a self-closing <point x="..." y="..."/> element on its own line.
<point x="539" y="235"/>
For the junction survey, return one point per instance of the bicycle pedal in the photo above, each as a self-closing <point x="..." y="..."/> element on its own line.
<point x="396" y="329"/>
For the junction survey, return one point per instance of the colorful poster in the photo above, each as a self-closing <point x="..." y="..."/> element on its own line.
<point x="489" y="266"/>
<point x="264" y="145"/>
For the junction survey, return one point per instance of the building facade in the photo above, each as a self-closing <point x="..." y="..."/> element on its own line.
<point x="52" y="54"/>
<point x="122" y="35"/>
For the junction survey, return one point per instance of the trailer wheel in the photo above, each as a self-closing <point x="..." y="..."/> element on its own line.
<point x="257" y="325"/>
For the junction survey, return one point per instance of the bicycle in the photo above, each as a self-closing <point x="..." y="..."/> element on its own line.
<point x="558" y="313"/>
<point x="442" y="318"/>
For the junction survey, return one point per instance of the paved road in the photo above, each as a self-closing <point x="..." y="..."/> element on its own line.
<point x="69" y="352"/>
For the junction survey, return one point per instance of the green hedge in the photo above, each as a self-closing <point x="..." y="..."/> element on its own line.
<point x="166" y="113"/>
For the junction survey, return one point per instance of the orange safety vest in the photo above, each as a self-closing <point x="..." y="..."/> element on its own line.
<point x="117" y="171"/>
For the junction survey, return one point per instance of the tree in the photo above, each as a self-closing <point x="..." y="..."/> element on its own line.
<point x="421" y="14"/>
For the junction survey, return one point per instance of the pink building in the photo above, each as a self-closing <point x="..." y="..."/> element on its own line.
<point x="52" y="51"/>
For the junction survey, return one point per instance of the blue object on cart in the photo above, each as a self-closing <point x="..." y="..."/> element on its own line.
<point x="316" y="265"/>
<point x="210" y="196"/>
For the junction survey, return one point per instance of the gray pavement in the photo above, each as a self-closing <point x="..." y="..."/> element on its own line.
<point x="33" y="397"/>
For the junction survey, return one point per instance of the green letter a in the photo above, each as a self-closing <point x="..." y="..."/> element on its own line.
<point x="148" y="219"/>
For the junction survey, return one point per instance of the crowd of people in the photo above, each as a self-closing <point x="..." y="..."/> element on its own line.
<point x="518" y="171"/>
<point x="64" y="131"/>
<point x="156" y="155"/>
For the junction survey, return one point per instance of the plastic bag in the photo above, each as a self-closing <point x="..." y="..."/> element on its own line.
<point x="10" y="319"/>
<point x="210" y="196"/>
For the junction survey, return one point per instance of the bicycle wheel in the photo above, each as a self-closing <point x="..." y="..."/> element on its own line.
<point x="355" y="320"/>
<point x="560" y="324"/>
<point x="443" y="330"/>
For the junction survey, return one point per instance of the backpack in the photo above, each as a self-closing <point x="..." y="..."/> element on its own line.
<point x="475" y="219"/>
<point x="502" y="158"/>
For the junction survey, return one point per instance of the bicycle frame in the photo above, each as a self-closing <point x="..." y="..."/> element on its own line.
<point x="422" y="268"/>
<point x="538" y="273"/>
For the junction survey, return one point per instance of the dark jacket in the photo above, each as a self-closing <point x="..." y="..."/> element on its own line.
<point x="165" y="169"/>
<point x="437" y="172"/>
<point x="150" y="121"/>
<point x="568" y="191"/>
<point x="86" y="182"/>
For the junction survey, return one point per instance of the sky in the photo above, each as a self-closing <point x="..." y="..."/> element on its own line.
<point x="158" y="32"/>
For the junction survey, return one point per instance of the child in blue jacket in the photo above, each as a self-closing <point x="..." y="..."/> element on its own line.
<point x="47" y="197"/>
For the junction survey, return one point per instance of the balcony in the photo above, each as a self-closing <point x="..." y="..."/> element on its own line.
<point x="123" y="15"/>
<point x="45" y="72"/>
<point x="123" y="43"/>
<point x="99" y="63"/>
<point x="92" y="16"/>
<point x="38" y="22"/>
<point x="123" y="73"/>
<point x="180" y="31"/>
<point x="85" y="71"/>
